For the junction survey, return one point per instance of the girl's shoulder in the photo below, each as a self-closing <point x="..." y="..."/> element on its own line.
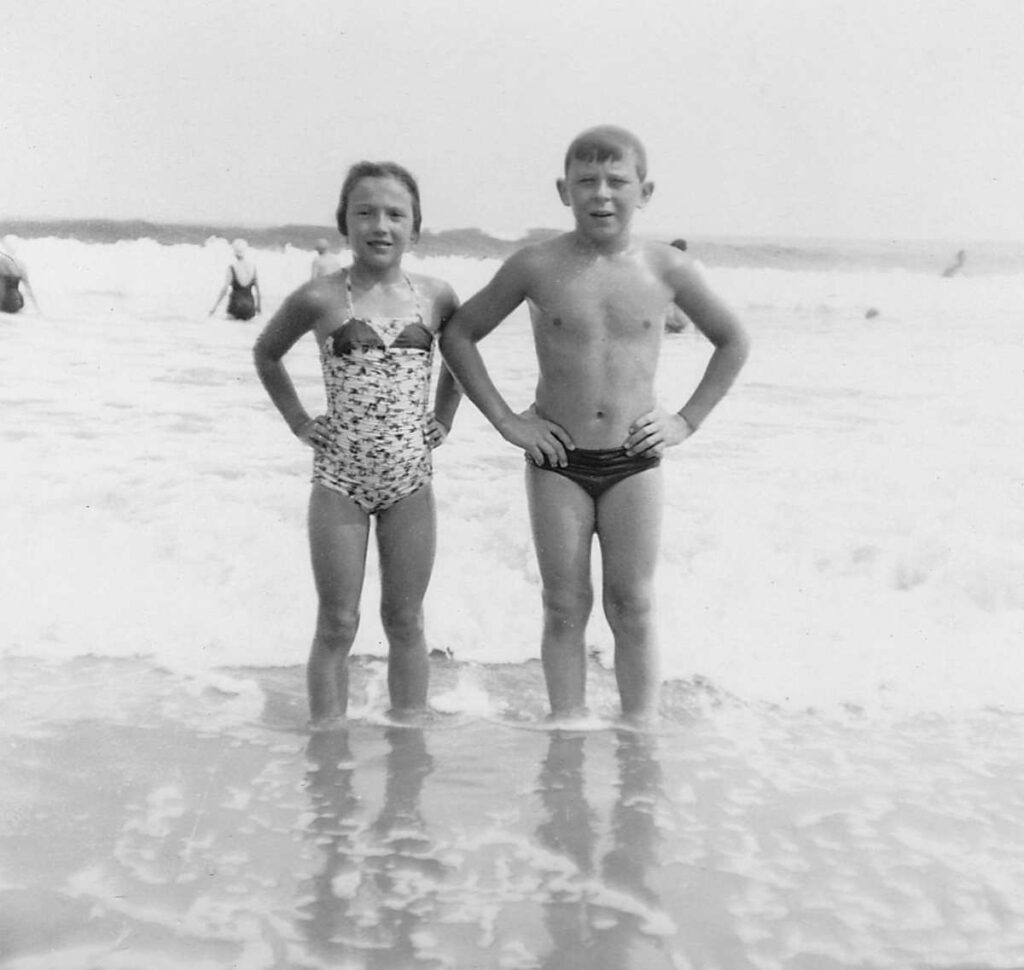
<point x="431" y="287"/>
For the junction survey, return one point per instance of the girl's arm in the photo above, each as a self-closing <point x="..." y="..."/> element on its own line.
<point x="293" y="320"/>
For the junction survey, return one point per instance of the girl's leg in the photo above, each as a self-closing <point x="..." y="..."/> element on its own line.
<point x="406" y="541"/>
<point x="338" y="531"/>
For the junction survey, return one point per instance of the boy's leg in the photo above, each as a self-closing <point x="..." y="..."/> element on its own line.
<point x="562" y="518"/>
<point x="406" y="543"/>
<point x="338" y="531"/>
<point x="629" y="529"/>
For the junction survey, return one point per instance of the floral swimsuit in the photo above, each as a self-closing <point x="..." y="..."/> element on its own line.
<point x="377" y="375"/>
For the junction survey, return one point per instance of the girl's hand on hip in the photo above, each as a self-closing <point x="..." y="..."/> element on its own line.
<point x="436" y="432"/>
<point x="314" y="432"/>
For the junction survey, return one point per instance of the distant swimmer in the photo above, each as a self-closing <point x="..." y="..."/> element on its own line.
<point x="958" y="266"/>
<point x="13" y="275"/>
<point x="240" y="279"/>
<point x="325" y="262"/>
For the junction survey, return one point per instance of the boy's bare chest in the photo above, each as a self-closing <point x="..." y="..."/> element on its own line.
<point x="609" y="303"/>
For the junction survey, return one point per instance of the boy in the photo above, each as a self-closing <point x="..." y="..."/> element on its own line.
<point x="595" y="435"/>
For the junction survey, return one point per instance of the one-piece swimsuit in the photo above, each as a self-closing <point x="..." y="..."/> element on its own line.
<point x="11" y="300"/>
<point x="377" y="377"/>
<point x="242" y="302"/>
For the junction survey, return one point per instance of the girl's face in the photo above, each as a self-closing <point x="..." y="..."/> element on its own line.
<point x="379" y="221"/>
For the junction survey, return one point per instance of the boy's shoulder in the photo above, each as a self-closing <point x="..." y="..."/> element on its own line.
<point x="537" y="255"/>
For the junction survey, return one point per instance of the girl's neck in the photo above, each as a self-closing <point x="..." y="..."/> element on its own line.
<point x="367" y="276"/>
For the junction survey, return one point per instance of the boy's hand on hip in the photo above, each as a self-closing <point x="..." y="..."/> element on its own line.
<point x="544" y="442"/>
<point x="653" y="432"/>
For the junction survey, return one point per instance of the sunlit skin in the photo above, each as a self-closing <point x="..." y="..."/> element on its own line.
<point x="597" y="298"/>
<point x="379" y="227"/>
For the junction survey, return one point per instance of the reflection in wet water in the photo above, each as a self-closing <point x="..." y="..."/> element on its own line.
<point x="377" y="884"/>
<point x="604" y="915"/>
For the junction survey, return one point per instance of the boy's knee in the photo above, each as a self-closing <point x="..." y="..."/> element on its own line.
<point x="628" y="605"/>
<point x="401" y="623"/>
<point x="336" y="624"/>
<point x="568" y="607"/>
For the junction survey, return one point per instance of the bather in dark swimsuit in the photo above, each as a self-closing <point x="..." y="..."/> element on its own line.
<point x="241" y="303"/>
<point x="597" y="470"/>
<point x="11" y="300"/>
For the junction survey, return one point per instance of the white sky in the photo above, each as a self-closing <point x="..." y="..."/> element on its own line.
<point x="879" y="118"/>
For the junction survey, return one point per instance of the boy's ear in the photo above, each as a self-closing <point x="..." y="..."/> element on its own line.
<point x="646" y="191"/>
<point x="563" y="192"/>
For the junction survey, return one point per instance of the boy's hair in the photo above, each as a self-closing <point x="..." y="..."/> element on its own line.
<point x="378" y="170"/>
<point x="604" y="142"/>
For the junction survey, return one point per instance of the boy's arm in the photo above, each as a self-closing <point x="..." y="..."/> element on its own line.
<point x="448" y="394"/>
<point x="543" y="440"/>
<point x="712" y="316"/>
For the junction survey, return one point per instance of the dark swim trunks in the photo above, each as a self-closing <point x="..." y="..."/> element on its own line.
<point x="597" y="470"/>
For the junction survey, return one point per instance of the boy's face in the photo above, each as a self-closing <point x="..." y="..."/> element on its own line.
<point x="604" y="195"/>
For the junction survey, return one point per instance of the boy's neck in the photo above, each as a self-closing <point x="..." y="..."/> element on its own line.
<point x="602" y="247"/>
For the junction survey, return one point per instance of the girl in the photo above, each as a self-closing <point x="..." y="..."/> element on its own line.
<point x="376" y="327"/>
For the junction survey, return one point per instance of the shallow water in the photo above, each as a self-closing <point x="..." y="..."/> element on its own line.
<point x="152" y="821"/>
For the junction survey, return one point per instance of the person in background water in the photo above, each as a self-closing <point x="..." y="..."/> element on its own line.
<point x="958" y="266"/>
<point x="376" y="327"/>
<point x="13" y="275"/>
<point x="324" y="262"/>
<point x="595" y="434"/>
<point x="241" y="280"/>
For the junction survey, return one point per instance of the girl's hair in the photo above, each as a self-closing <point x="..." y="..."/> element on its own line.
<point x="378" y="170"/>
